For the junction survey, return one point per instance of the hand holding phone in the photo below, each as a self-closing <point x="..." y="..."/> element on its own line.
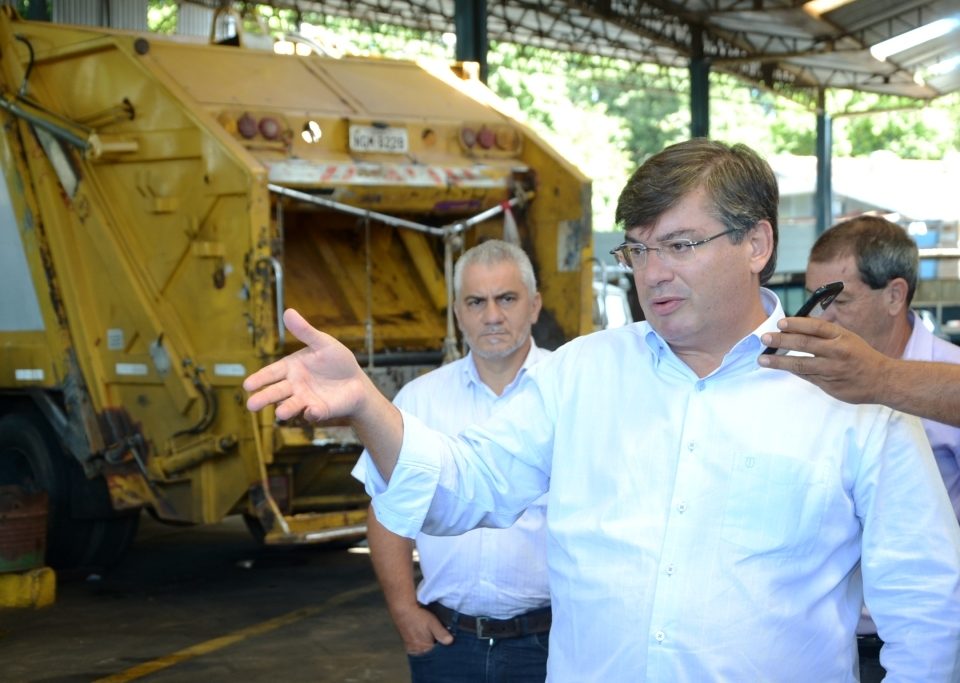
<point x="813" y="308"/>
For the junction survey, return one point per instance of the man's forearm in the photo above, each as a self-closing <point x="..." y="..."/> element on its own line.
<point x="929" y="390"/>
<point x="380" y="428"/>
<point x="392" y="558"/>
<point x="847" y="367"/>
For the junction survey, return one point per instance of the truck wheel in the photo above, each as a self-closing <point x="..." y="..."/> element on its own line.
<point x="31" y="457"/>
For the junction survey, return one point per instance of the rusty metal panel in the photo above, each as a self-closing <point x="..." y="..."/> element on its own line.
<point x="23" y="529"/>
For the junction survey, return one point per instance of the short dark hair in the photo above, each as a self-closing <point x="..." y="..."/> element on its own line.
<point x="739" y="182"/>
<point x="883" y="251"/>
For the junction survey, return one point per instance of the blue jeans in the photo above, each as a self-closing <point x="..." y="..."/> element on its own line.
<point x="469" y="659"/>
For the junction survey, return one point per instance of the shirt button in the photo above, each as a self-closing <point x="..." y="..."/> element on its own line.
<point x="682" y="507"/>
<point x="659" y="635"/>
<point x="670" y="569"/>
<point x="692" y="446"/>
<point x="701" y="385"/>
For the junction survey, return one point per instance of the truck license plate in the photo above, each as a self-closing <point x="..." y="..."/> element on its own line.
<point x="373" y="139"/>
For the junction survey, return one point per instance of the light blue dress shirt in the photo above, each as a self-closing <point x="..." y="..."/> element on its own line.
<point x="498" y="573"/>
<point x="944" y="439"/>
<point x="704" y="529"/>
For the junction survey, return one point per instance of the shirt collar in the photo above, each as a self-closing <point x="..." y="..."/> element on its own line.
<point x="920" y="342"/>
<point x="774" y="310"/>
<point x="747" y="348"/>
<point x="472" y="375"/>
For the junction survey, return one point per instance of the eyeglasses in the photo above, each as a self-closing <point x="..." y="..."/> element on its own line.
<point x="633" y="255"/>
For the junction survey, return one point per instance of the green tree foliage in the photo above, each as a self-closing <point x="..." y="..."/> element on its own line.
<point x="791" y="140"/>
<point x="865" y="123"/>
<point x="903" y="135"/>
<point x="512" y="82"/>
<point x="644" y="98"/>
<point x="162" y="16"/>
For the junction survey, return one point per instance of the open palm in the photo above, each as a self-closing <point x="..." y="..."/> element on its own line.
<point x="322" y="380"/>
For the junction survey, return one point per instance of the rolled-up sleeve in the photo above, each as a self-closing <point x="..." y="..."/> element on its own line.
<point x="486" y="476"/>
<point x="402" y="504"/>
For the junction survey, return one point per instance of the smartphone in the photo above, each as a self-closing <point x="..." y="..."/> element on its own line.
<point x="813" y="307"/>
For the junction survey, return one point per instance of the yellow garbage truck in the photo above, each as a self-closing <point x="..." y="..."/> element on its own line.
<point x="164" y="200"/>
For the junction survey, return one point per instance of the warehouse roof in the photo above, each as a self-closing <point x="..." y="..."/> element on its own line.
<point x="785" y="45"/>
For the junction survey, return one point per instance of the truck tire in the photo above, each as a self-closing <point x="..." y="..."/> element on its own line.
<point x="31" y="457"/>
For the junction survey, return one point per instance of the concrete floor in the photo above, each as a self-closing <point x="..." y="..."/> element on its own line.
<point x="209" y="604"/>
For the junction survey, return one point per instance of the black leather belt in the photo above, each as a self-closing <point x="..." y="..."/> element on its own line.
<point x="536" y="621"/>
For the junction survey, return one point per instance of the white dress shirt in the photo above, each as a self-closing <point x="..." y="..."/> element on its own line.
<point x="704" y="529"/>
<point x="496" y="573"/>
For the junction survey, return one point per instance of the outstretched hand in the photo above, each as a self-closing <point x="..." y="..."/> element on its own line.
<point x="322" y="380"/>
<point x="841" y="363"/>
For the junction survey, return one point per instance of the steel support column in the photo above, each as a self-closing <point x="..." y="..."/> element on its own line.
<point x="37" y="11"/>
<point x="470" y="20"/>
<point x="699" y="88"/>
<point x="823" y="198"/>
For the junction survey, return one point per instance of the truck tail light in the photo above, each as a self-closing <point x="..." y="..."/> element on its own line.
<point x="247" y="126"/>
<point x="486" y="137"/>
<point x="270" y="128"/>
<point x="468" y="136"/>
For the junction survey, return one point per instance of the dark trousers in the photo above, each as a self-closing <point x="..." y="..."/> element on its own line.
<point x="481" y="660"/>
<point x="870" y="669"/>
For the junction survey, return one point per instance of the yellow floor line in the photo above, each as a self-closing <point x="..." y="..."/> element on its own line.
<point x="209" y="646"/>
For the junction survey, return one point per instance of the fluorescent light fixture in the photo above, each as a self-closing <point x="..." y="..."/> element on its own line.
<point x="917" y="36"/>
<point x="944" y="67"/>
<point x="817" y="7"/>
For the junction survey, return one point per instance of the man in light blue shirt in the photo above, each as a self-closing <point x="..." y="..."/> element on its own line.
<point x="482" y="611"/>
<point x="707" y="516"/>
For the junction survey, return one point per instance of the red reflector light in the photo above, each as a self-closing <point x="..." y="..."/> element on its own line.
<point x="270" y="128"/>
<point x="247" y="126"/>
<point x="486" y="138"/>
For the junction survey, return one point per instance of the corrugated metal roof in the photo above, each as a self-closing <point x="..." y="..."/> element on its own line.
<point x="123" y="14"/>
<point x="772" y="43"/>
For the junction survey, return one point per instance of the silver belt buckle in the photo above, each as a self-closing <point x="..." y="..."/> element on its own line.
<point x="481" y="623"/>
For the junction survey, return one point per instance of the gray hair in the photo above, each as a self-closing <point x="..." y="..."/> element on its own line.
<point x="883" y="251"/>
<point x="740" y="185"/>
<point x="492" y="252"/>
